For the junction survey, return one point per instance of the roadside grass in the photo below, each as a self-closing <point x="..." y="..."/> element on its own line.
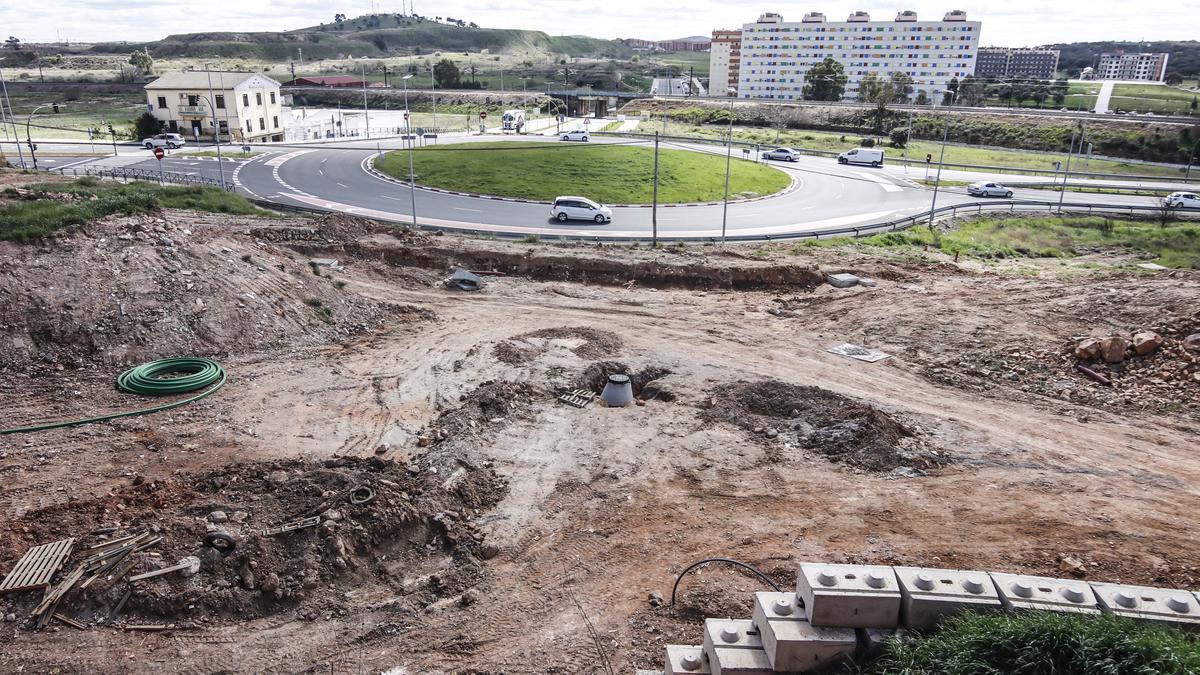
<point x="75" y="117"/>
<point x="916" y="150"/>
<point x="1155" y="98"/>
<point x="26" y="220"/>
<point x="1140" y="192"/>
<point x="1177" y="244"/>
<point x="616" y="174"/>
<point x="1039" y="643"/>
<point x="612" y="126"/>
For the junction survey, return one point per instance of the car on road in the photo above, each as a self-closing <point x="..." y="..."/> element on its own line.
<point x="169" y="141"/>
<point x="871" y="156"/>
<point x="986" y="189"/>
<point x="580" y="208"/>
<point x="783" y="154"/>
<point x="1182" y="200"/>
<point x="577" y="135"/>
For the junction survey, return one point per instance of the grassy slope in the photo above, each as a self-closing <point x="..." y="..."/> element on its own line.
<point x="1155" y="98"/>
<point x="1176" y="245"/>
<point x="88" y="111"/>
<point x="606" y="173"/>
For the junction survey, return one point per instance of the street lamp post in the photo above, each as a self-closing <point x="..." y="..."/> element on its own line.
<point x="216" y="128"/>
<point x="12" y="119"/>
<point x="412" y="180"/>
<point x="29" y="139"/>
<point x="212" y="109"/>
<point x="366" y="115"/>
<point x="938" y="180"/>
<point x="732" y="93"/>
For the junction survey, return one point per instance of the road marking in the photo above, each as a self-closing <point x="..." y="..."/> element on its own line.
<point x="343" y="185"/>
<point x="395" y="199"/>
<point x="887" y="185"/>
<point x="459" y="208"/>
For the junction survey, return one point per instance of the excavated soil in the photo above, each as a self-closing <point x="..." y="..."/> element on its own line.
<point x="584" y="341"/>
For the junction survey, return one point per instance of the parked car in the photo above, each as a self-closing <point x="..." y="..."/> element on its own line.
<point x="1182" y="200"/>
<point x="783" y="154"/>
<point x="577" y="135"/>
<point x="580" y="208"/>
<point x="871" y="156"/>
<point x="984" y="189"/>
<point x="169" y="141"/>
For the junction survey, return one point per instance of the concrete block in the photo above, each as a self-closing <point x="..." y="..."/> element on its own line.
<point x="849" y="596"/>
<point x="1149" y="604"/>
<point x="842" y="280"/>
<point x="928" y="594"/>
<point x="791" y="642"/>
<point x="686" y="660"/>
<point x="734" y="646"/>
<point x="1057" y="595"/>
<point x="738" y="661"/>
<point x="731" y="633"/>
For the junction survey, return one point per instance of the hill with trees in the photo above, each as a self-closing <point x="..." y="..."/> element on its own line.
<point x="1184" y="62"/>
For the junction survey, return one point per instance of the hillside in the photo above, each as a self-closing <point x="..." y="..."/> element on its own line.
<point x="1184" y="61"/>
<point x="372" y="35"/>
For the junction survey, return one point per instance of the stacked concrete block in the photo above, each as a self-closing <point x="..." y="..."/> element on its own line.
<point x="1149" y="604"/>
<point x="849" y="596"/>
<point x="929" y="594"/>
<point x="1057" y="595"/>
<point x="734" y="646"/>
<point x="791" y="642"/>
<point x="686" y="660"/>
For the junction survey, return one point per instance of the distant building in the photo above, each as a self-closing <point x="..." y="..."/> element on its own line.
<point x="326" y="81"/>
<point x="775" y="55"/>
<point x="246" y="106"/>
<point x="1122" y="66"/>
<point x="687" y="44"/>
<point x="998" y="63"/>
<point x="724" y="61"/>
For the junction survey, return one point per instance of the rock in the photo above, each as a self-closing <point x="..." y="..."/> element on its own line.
<point x="1192" y="342"/>
<point x="866" y="281"/>
<point x="248" y="580"/>
<point x="1087" y="349"/>
<point x="655" y="599"/>
<point x="1146" y="342"/>
<point x="772" y="432"/>
<point x="906" y="472"/>
<point x="469" y="597"/>
<point x="332" y="514"/>
<point x="489" y="551"/>
<point x="383" y="448"/>
<point x="1112" y="349"/>
<point x="10" y="617"/>
<point x="270" y="584"/>
<point x="311" y="579"/>
<point x="277" y="477"/>
<point x="423" y="441"/>
<point x="218" y="517"/>
<point x="239" y="516"/>
<point x="842" y="280"/>
<point x="1073" y="566"/>
<point x="166" y="241"/>
<point x="339" y="563"/>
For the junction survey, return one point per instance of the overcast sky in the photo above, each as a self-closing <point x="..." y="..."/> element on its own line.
<point x="1008" y="23"/>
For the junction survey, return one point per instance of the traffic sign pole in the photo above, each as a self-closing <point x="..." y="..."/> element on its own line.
<point x="158" y="154"/>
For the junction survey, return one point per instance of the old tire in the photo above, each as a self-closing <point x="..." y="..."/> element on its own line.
<point x="361" y="495"/>
<point x="222" y="542"/>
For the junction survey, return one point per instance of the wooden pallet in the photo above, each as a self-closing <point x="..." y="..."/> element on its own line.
<point x="577" y="397"/>
<point x="289" y="527"/>
<point x="37" y="566"/>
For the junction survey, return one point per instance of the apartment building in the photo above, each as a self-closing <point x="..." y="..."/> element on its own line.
<point x="724" y="61"/>
<point x="247" y="107"/>
<point x="999" y="63"/>
<point x="1122" y="66"/>
<point x="775" y="55"/>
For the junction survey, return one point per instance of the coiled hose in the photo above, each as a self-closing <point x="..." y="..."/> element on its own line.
<point x="148" y="380"/>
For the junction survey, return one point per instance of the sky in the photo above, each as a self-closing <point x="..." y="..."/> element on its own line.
<point x="1013" y="23"/>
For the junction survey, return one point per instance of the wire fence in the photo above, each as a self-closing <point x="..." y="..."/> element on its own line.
<point x="125" y="175"/>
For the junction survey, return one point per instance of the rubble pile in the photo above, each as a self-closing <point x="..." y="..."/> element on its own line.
<point x="491" y="403"/>
<point x="588" y="343"/>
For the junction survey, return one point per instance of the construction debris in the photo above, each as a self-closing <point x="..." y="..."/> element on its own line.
<point x="842" y="280"/>
<point x="464" y="280"/>
<point x="188" y="566"/>
<point x="860" y="353"/>
<point x="576" y="397"/>
<point x="37" y="566"/>
<point x="294" y="525"/>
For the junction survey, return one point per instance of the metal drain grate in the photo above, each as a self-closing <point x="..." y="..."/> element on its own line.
<point x="577" y="397"/>
<point x="37" y="566"/>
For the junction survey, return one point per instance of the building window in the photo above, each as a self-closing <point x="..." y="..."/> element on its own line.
<point x="193" y="100"/>
<point x="273" y="99"/>
<point x="219" y="101"/>
<point x="246" y="100"/>
<point x="162" y="102"/>
<point x="262" y="124"/>
<point x="275" y="121"/>
<point x="249" y="126"/>
<point x="258" y="97"/>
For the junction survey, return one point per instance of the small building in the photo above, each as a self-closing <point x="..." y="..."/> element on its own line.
<point x="245" y="107"/>
<point x="724" y="62"/>
<point x="327" y="81"/>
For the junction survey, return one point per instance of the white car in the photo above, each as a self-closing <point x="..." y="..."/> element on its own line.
<point x="1182" y="200"/>
<point x="785" y="154"/>
<point x="169" y="141"/>
<point x="580" y="208"/>
<point x="982" y="189"/>
<point x="577" y="135"/>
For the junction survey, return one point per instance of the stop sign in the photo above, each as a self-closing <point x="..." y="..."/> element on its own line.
<point x="158" y="153"/>
<point x="483" y="115"/>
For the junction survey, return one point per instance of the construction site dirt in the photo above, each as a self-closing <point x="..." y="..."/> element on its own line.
<point x="506" y="531"/>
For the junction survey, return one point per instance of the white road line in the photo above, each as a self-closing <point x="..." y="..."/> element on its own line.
<point x="395" y="199"/>
<point x="887" y="185"/>
<point x="343" y="185"/>
<point x="459" y="208"/>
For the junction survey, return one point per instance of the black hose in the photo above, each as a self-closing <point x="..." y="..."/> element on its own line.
<point x="729" y="561"/>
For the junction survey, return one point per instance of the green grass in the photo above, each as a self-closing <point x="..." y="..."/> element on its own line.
<point x="26" y="220"/>
<point x="612" y="126"/>
<point x="618" y="174"/>
<point x="87" y="111"/>
<point x="1155" y="98"/>
<point x="1175" y="245"/>
<point x="1040" y="643"/>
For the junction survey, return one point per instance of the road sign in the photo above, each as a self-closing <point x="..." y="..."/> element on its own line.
<point x="482" y="115"/>
<point x="158" y="153"/>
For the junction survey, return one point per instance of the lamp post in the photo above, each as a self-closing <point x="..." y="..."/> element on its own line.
<point x="938" y="180"/>
<point x="28" y="139"/>
<point x="12" y="119"/>
<point x="732" y="93"/>
<point x="212" y="109"/>
<point x="216" y="129"/>
<point x="433" y="89"/>
<point x="412" y="181"/>
<point x="366" y="115"/>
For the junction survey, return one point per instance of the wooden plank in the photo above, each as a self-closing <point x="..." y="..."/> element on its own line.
<point x="69" y="621"/>
<point x="37" y="566"/>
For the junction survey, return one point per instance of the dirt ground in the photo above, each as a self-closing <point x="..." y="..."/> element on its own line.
<point x="513" y="533"/>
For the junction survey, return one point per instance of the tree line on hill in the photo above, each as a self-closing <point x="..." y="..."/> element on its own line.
<point x="1184" y="62"/>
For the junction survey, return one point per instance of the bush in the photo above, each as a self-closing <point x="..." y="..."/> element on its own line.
<point x="899" y="137"/>
<point x="868" y="142"/>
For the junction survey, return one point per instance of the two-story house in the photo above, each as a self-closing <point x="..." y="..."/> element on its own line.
<point x="245" y="107"/>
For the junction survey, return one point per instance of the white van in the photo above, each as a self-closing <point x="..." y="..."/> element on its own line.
<point x="872" y="156"/>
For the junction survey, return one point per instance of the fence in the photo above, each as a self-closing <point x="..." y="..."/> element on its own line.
<point x="125" y="175"/>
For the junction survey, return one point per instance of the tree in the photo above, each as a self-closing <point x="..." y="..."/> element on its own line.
<point x="922" y="97"/>
<point x="338" y="18"/>
<point x="1195" y="103"/>
<point x="825" y="81"/>
<point x="899" y="137"/>
<point x="1039" y="95"/>
<point x="1058" y="90"/>
<point x="447" y="74"/>
<point x="12" y="43"/>
<point x="146" y="125"/>
<point x="902" y="86"/>
<point x="142" y="61"/>
<point x="970" y="91"/>
<point x="868" y="88"/>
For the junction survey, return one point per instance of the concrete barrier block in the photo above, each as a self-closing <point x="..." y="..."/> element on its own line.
<point x="928" y="594"/>
<point x="686" y="660"/>
<point x="1149" y="604"/>
<point x="1057" y="595"/>
<point x="849" y="596"/>
<point x="792" y="643"/>
<point x="842" y="280"/>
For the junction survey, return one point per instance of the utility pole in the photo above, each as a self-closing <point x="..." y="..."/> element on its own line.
<point x="28" y="139"/>
<point x="654" y="209"/>
<point x="1067" y="172"/>
<point x="412" y="179"/>
<point x="433" y="89"/>
<point x="366" y="115"/>
<point x="293" y="66"/>
<point x="216" y="125"/>
<point x="728" y="159"/>
<point x="938" y="181"/>
<point x="12" y="120"/>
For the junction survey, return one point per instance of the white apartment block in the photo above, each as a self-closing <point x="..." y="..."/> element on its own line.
<point x="776" y="54"/>
<point x="244" y="106"/>
<point x="1119" y="66"/>
<point x="724" y="61"/>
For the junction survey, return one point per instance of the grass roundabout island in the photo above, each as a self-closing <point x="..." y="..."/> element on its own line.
<point x="607" y="173"/>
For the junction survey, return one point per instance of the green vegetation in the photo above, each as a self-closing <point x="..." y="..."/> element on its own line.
<point x="78" y="112"/>
<point x="1154" y="98"/>
<point x="1041" y="643"/>
<point x="618" y="174"/>
<point x="30" y="219"/>
<point x="612" y="126"/>
<point x="1175" y="244"/>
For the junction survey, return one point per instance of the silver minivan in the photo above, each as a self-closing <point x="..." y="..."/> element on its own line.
<point x="580" y="208"/>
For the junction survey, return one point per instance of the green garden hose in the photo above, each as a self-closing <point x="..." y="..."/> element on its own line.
<point x="147" y="380"/>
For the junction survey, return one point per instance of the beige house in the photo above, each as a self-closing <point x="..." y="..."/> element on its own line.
<point x="246" y="106"/>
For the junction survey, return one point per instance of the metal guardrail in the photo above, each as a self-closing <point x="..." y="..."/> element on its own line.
<point x="126" y="174"/>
